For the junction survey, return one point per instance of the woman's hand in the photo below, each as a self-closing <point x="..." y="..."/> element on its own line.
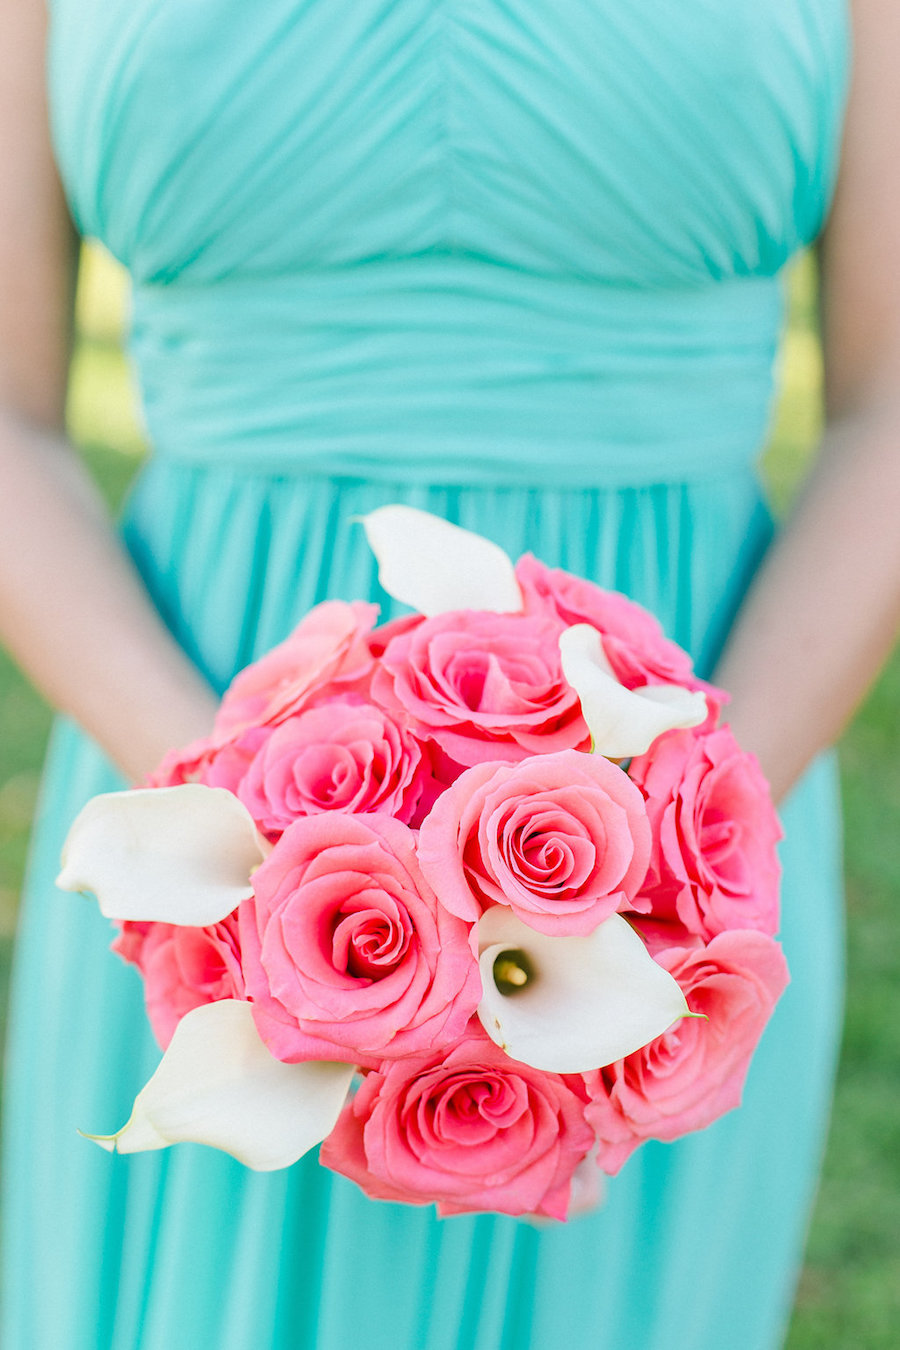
<point x="824" y="610"/>
<point x="72" y="609"/>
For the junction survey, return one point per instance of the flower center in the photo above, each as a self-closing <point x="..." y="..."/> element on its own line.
<point x="513" y="971"/>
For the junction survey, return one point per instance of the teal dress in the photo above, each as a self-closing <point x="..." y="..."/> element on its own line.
<point x="516" y="262"/>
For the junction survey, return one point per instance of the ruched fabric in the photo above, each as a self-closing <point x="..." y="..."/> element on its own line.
<point x="516" y="263"/>
<point x="318" y="373"/>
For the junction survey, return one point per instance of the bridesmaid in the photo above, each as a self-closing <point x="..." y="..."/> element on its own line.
<point x="814" y="629"/>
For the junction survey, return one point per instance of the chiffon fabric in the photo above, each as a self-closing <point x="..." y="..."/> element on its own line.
<point x="516" y="262"/>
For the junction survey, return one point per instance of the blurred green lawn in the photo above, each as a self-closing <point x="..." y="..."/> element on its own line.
<point x="850" y="1292"/>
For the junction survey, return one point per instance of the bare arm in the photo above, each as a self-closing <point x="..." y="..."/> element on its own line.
<point x="824" y="610"/>
<point x="72" y="609"/>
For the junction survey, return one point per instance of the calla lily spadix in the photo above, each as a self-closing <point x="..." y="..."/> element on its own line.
<point x="180" y="855"/>
<point x="437" y="567"/>
<point x="622" y="722"/>
<point x="217" y="1084"/>
<point x="591" y="1001"/>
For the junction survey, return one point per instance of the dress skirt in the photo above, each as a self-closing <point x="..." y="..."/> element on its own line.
<point x="696" y="1245"/>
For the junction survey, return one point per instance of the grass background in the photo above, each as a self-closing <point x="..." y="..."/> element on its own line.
<point x="849" y="1296"/>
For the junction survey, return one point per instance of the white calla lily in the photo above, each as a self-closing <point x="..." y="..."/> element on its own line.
<point x="217" y="1084"/>
<point x="436" y="567"/>
<point x="180" y="855"/>
<point x="622" y="722"/>
<point x="586" y="1001"/>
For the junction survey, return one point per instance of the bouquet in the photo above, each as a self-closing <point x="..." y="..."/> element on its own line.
<point x="478" y="900"/>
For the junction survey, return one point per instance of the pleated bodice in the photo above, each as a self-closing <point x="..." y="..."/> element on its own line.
<point x="435" y="236"/>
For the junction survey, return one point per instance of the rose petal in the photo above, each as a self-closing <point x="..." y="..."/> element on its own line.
<point x="175" y="855"/>
<point x="437" y="567"/>
<point x="622" y="722"/>
<point x="592" y="1001"/>
<point x="217" y="1084"/>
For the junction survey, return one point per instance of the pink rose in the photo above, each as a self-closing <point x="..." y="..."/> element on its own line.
<point x="659" y="934"/>
<point x="343" y="755"/>
<point x="483" y="686"/>
<point x="714" y="864"/>
<point x="330" y="643"/>
<point x="633" y="640"/>
<point x="695" y="1071"/>
<point x="182" y="967"/>
<point x="212" y="762"/>
<point x="473" y="1129"/>
<point x="347" y="953"/>
<point x="386" y="632"/>
<point x="185" y="764"/>
<point x="562" y="839"/>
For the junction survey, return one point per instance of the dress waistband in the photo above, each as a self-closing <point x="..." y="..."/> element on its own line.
<point x="442" y="369"/>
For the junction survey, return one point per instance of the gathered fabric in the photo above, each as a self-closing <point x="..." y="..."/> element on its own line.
<point x="516" y="263"/>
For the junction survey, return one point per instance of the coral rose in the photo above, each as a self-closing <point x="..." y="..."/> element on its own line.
<point x="484" y="686"/>
<point x="695" y="1071"/>
<point x="347" y="954"/>
<point x="330" y="643"/>
<point x="211" y="761"/>
<point x="714" y="864"/>
<point x="182" y="967"/>
<point x="634" y="642"/>
<point x="474" y="1130"/>
<point x="343" y="755"/>
<point x="562" y="839"/>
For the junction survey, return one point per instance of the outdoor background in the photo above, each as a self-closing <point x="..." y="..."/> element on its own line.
<point x="850" y="1291"/>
